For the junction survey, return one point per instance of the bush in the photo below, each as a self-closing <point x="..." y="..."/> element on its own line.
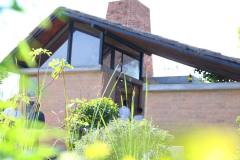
<point x="137" y="139"/>
<point x="90" y="114"/>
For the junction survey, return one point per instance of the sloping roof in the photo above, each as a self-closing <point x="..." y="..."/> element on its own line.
<point x="151" y="44"/>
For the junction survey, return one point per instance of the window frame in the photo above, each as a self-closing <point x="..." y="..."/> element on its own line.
<point x="74" y="28"/>
<point x="75" y="43"/>
<point x="139" y="59"/>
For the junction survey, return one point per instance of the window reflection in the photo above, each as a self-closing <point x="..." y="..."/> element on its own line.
<point x="130" y="66"/>
<point x="85" y="49"/>
<point x="126" y="64"/>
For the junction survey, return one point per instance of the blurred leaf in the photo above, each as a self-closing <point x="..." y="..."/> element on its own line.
<point x="58" y="66"/>
<point x="15" y="6"/>
<point x="46" y="24"/>
<point x="24" y="83"/>
<point x="59" y="13"/>
<point x="23" y="54"/>
<point x="210" y="144"/>
<point x="3" y="73"/>
<point x="22" y="143"/>
<point x="9" y="64"/>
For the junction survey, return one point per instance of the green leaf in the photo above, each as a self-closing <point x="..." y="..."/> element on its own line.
<point x="15" y="6"/>
<point x="23" y="55"/>
<point x="58" y="66"/>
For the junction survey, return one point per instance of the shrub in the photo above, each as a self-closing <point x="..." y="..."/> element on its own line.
<point x="90" y="114"/>
<point x="137" y="139"/>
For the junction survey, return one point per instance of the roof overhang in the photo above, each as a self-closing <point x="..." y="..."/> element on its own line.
<point x="150" y="44"/>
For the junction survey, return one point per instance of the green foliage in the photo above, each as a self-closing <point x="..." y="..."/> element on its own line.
<point x="211" y="77"/>
<point x="90" y="114"/>
<point x="3" y="73"/>
<point x="15" y="6"/>
<point x="60" y="14"/>
<point x="95" y="112"/>
<point x="38" y="52"/>
<point x="14" y="101"/>
<point x="46" y="24"/>
<point x="137" y="139"/>
<point x="6" y="121"/>
<point x="19" y="142"/>
<point x="58" y="66"/>
<point x="23" y="54"/>
<point x="6" y="104"/>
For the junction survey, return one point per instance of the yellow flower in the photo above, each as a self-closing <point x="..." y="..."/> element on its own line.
<point x="98" y="150"/>
<point x="128" y="158"/>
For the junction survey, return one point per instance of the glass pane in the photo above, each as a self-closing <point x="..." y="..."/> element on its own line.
<point x="60" y="53"/>
<point x="118" y="60"/>
<point x="107" y="56"/>
<point x="130" y="66"/>
<point x="85" y="49"/>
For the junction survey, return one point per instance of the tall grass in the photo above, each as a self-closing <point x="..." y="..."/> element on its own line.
<point x="138" y="139"/>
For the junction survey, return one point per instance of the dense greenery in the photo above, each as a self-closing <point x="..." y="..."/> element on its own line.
<point x="136" y="139"/>
<point x="90" y="114"/>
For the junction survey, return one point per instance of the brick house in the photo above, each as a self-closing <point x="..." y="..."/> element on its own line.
<point x="123" y="42"/>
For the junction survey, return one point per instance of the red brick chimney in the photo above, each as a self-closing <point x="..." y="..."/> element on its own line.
<point x="134" y="14"/>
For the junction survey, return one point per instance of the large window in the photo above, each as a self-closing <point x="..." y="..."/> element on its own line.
<point x="85" y="49"/>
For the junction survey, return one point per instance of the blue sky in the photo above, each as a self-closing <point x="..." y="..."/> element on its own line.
<point x="209" y="24"/>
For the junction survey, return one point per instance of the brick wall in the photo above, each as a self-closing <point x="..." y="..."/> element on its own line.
<point x="134" y="14"/>
<point x="87" y="84"/>
<point x="131" y="13"/>
<point x="176" y="109"/>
